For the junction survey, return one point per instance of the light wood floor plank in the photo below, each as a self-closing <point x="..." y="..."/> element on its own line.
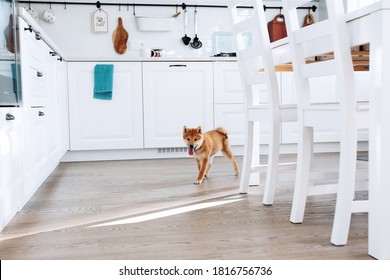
<point x="58" y="221"/>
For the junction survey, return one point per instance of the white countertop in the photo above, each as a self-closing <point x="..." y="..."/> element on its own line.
<point x="152" y="59"/>
<point x="376" y="6"/>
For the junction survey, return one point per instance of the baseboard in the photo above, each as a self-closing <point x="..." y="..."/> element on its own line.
<point x="101" y="155"/>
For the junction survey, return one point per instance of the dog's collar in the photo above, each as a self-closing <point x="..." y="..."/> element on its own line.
<point x="195" y="150"/>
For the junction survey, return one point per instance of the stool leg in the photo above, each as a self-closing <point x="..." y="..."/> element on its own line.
<point x="247" y="158"/>
<point x="254" y="178"/>
<point x="305" y="152"/>
<point x="346" y="187"/>
<point x="273" y="164"/>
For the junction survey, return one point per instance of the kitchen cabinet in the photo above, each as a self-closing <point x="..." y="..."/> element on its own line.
<point x="44" y="108"/>
<point x="228" y="101"/>
<point x="153" y="100"/>
<point x="176" y="94"/>
<point x="38" y="149"/>
<point x="97" y="124"/>
<point x="60" y="105"/>
<point x="11" y="162"/>
<point x="232" y="118"/>
<point x="229" y="106"/>
<point x="57" y="111"/>
<point x="227" y="83"/>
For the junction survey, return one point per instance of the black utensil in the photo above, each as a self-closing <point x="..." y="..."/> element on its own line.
<point x="196" y="43"/>
<point x="186" y="40"/>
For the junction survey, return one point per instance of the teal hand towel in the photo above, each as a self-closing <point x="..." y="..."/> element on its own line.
<point x="103" y="81"/>
<point x="16" y="78"/>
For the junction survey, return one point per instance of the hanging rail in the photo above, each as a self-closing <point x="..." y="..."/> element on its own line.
<point x="312" y="8"/>
<point x="98" y="4"/>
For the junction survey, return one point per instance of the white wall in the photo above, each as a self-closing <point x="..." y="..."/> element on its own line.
<point x="72" y="31"/>
<point x="356" y="4"/>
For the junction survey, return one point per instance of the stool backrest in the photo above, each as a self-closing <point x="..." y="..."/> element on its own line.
<point x="329" y="36"/>
<point x="254" y="52"/>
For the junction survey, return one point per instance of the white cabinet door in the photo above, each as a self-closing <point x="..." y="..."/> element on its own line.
<point x="38" y="147"/>
<point x="52" y="110"/>
<point x="97" y="124"/>
<point x="11" y="165"/>
<point x="57" y="109"/>
<point x="232" y="118"/>
<point x="176" y="94"/>
<point x="228" y="103"/>
<point x="62" y="112"/>
<point x="227" y="83"/>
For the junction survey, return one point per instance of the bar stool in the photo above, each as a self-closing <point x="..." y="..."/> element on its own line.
<point x="256" y="58"/>
<point x="346" y="115"/>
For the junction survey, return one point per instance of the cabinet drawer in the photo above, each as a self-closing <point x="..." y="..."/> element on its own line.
<point x="38" y="86"/>
<point x="37" y="64"/>
<point x="10" y="117"/>
<point x="38" y="49"/>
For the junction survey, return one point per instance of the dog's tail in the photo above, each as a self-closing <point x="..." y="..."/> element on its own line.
<point x="222" y="131"/>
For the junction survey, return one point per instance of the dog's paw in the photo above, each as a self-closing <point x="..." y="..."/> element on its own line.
<point x="237" y="173"/>
<point x="197" y="182"/>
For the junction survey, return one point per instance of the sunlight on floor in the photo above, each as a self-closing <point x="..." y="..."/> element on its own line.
<point x="167" y="213"/>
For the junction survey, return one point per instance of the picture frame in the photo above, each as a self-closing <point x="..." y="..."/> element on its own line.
<point x="100" y="21"/>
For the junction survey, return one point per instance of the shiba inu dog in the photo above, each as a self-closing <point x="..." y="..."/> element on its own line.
<point x="203" y="147"/>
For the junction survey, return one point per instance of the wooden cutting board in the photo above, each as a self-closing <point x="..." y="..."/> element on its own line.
<point x="9" y="35"/>
<point x="120" y="37"/>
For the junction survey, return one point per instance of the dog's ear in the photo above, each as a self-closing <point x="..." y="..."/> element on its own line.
<point x="199" y="129"/>
<point x="185" y="129"/>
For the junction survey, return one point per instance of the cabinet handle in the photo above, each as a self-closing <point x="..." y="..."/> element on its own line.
<point x="9" y="117"/>
<point x="53" y="53"/>
<point x="177" y="65"/>
<point x="39" y="74"/>
<point x="29" y="28"/>
<point x="41" y="114"/>
<point x="37" y="36"/>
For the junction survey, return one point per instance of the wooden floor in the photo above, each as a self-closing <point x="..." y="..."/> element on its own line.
<point x="154" y="211"/>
